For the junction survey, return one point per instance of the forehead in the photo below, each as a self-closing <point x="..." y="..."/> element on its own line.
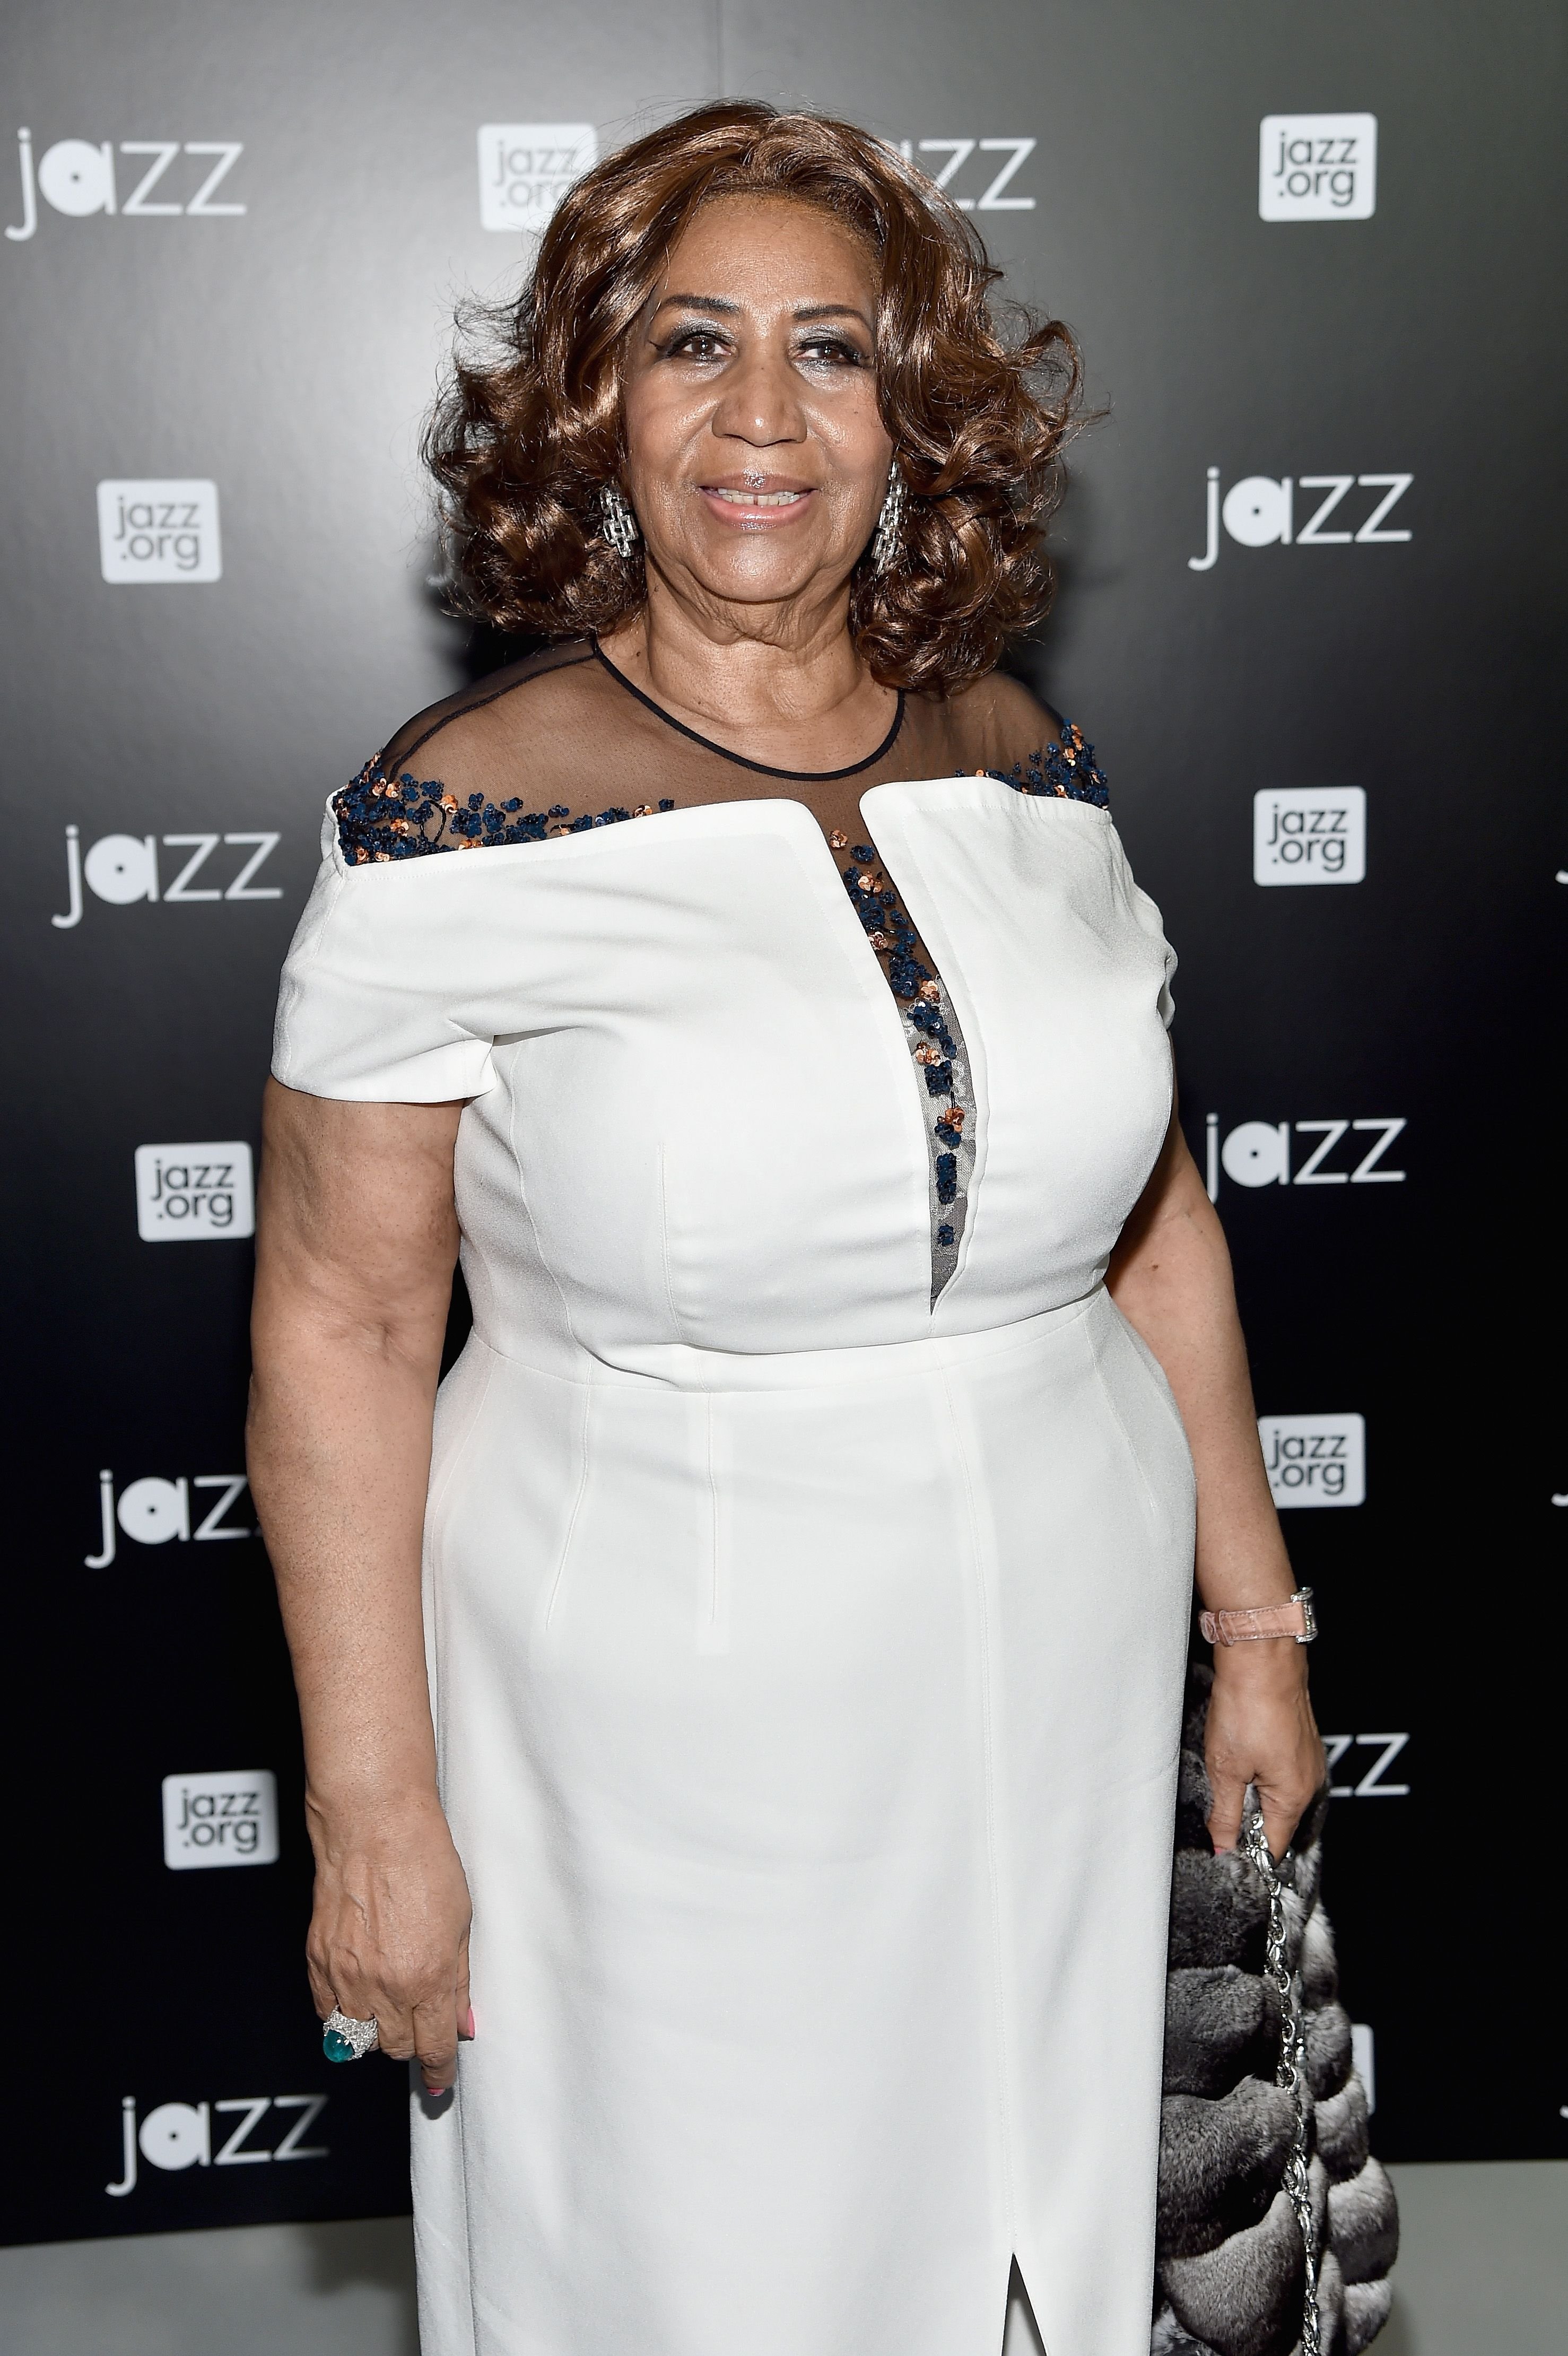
<point x="761" y="249"/>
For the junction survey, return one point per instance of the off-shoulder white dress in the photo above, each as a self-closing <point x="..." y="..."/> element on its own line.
<point x="806" y="1650"/>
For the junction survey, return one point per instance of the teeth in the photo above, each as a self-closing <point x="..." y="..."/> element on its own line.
<point x="759" y="498"/>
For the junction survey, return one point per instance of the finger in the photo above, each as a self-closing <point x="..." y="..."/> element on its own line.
<point x="1228" y="1791"/>
<point x="320" y="1990"/>
<point x="1283" y="1811"/>
<point x="435" y="2043"/>
<point x="465" y="2004"/>
<point x="396" y="2033"/>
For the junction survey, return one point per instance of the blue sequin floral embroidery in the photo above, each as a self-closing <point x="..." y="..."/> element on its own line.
<point x="381" y="818"/>
<point x="936" y="1051"/>
<point x="1066" y="771"/>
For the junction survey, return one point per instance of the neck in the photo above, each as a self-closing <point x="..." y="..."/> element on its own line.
<point x="760" y="680"/>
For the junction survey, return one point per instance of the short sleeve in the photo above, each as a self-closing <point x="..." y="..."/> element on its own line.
<point x="368" y="1011"/>
<point x="1146" y="915"/>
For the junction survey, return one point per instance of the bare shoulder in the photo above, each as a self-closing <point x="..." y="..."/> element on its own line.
<point x="543" y="698"/>
<point x="498" y="762"/>
<point x="1001" y="724"/>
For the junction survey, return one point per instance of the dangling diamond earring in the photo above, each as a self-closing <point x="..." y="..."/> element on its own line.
<point x="890" y="524"/>
<point x="619" y="524"/>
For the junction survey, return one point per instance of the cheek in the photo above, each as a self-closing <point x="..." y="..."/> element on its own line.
<point x="851" y="424"/>
<point x="659" y="419"/>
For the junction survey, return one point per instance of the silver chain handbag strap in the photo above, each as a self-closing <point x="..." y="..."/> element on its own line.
<point x="1292" y="2073"/>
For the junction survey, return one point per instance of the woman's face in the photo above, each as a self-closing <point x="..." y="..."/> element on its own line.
<point x="756" y="457"/>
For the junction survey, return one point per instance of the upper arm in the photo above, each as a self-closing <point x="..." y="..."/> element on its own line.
<point x="357" y="1223"/>
<point x="1174" y="1192"/>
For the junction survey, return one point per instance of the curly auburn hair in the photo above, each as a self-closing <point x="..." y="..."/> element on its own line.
<point x="524" y="434"/>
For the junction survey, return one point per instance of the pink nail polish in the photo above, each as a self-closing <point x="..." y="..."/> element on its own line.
<point x="469" y="2030"/>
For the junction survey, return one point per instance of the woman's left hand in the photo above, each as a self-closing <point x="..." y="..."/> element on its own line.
<point x="1262" y="1731"/>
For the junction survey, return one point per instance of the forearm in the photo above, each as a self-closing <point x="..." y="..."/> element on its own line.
<point x="355" y="1243"/>
<point x="339" y="1446"/>
<point x="1171" y="1279"/>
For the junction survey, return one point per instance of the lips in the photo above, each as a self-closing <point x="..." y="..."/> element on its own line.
<point x="757" y="502"/>
<point x="756" y="498"/>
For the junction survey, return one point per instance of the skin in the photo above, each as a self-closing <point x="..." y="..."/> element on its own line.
<point x="750" y="372"/>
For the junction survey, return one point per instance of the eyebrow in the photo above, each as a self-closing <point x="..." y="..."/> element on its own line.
<point x="724" y="303"/>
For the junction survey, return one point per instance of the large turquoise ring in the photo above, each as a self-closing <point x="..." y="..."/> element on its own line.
<point x="344" y="2039"/>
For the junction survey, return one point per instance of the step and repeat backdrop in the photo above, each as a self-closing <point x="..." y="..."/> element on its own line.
<point x="1310" y="574"/>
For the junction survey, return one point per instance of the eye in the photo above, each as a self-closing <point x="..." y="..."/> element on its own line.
<point x="836" y="350"/>
<point x="693" y="343"/>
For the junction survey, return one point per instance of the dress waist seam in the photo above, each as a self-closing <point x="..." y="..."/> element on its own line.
<point x="684" y="1367"/>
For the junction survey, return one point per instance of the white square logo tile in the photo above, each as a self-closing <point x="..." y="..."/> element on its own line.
<point x="1309" y="834"/>
<point x="228" y="1818"/>
<point x="159" y="531"/>
<point x="1318" y="167"/>
<point x="193" y="1193"/>
<point x="1315" y="1460"/>
<point x="526" y="168"/>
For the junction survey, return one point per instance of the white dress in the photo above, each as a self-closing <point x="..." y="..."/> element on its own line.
<point x="807" y="1655"/>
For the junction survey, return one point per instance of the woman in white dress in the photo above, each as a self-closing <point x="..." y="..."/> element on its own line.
<point x="808" y="1524"/>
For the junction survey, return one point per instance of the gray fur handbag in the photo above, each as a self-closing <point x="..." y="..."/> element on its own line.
<point x="1250" y="2117"/>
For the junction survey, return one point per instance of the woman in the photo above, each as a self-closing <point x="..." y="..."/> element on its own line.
<point x="809" y="1527"/>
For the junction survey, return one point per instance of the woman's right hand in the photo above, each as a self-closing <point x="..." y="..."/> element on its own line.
<point x="388" y="1935"/>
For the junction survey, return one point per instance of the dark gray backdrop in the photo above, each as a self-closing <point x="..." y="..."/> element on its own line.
<point x="284" y="354"/>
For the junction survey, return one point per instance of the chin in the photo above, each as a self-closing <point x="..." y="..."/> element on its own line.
<point x="754" y="574"/>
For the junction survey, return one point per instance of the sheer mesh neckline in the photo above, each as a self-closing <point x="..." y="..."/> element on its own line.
<point x="758" y="768"/>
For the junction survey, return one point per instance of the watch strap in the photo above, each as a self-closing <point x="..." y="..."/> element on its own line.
<point x="1295" y="1619"/>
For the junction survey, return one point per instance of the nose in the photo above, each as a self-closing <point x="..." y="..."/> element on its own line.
<point x="759" y="402"/>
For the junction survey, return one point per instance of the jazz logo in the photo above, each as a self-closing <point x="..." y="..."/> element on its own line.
<point x="526" y="168"/>
<point x="1309" y="834"/>
<point x="191" y="1194"/>
<point x="158" y="530"/>
<point x="1318" y="167"/>
<point x="1260" y="512"/>
<point x="1371" y="1785"/>
<point x="1258" y="1153"/>
<point x="1315" y="1460"/>
<point x="152" y="1511"/>
<point x="177" y="2135"/>
<point x="230" y="1817"/>
<point x="123" y="869"/>
<point x="993" y="196"/>
<point x="77" y="176"/>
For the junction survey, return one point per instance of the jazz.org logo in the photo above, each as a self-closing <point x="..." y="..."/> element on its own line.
<point x="985" y="188"/>
<point x="1259" y="1152"/>
<point x="526" y="168"/>
<point x="78" y="176"/>
<point x="158" y="531"/>
<point x="230" y="1817"/>
<point x="123" y="869"/>
<point x="1315" y="1460"/>
<point x="1371" y="1780"/>
<point x="1309" y="834"/>
<point x="1260" y="512"/>
<point x="194" y="1193"/>
<point x="152" y="1511"/>
<point x="177" y="2135"/>
<point x="1318" y="167"/>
